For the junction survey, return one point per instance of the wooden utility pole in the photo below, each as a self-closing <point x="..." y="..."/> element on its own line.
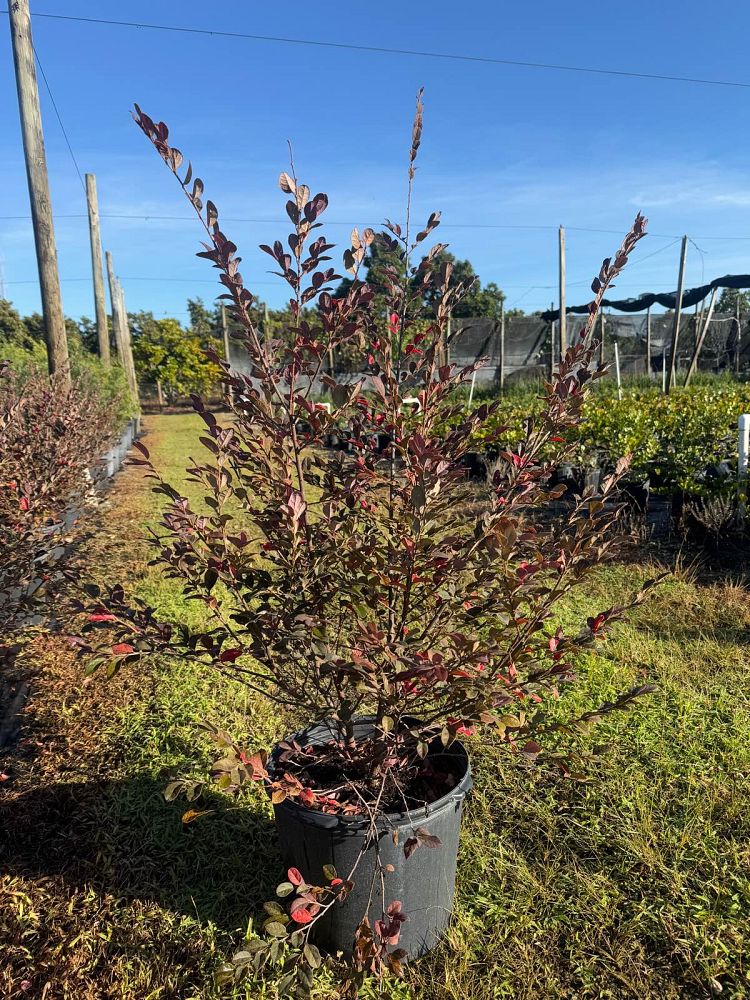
<point x="502" y="346"/>
<point x="225" y="334"/>
<point x="128" y="346"/>
<point x="561" y="278"/>
<point x="36" y="172"/>
<point x="648" y="341"/>
<point x="102" y="328"/>
<point x="701" y="336"/>
<point x="114" y="303"/>
<point x="119" y="323"/>
<point x="677" y="316"/>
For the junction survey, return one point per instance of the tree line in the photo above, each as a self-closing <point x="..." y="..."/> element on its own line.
<point x="174" y="355"/>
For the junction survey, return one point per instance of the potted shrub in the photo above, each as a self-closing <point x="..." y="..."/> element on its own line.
<point x="356" y="590"/>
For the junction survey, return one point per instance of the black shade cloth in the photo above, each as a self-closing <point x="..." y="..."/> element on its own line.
<point x="690" y="297"/>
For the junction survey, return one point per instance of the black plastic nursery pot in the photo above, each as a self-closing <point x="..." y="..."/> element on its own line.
<point x="475" y="463"/>
<point x="424" y="883"/>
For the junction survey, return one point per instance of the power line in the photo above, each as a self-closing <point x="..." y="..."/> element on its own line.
<point x="385" y="50"/>
<point x="59" y="119"/>
<point x="276" y="284"/>
<point x="330" y="222"/>
<point x="190" y="281"/>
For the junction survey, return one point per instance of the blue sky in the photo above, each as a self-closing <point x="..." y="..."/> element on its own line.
<point x="503" y="146"/>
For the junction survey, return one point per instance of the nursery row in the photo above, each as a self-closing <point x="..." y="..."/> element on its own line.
<point x="52" y="436"/>
<point x="685" y="441"/>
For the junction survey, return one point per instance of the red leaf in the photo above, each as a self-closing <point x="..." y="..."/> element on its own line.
<point x="101" y="616"/>
<point x="410" y="846"/>
<point x="304" y="908"/>
<point x="307" y="797"/>
<point x="121" y="648"/>
<point x="295" y="876"/>
<point x="229" y="655"/>
<point x="256" y="764"/>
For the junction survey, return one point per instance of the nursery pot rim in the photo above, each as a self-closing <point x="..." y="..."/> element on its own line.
<point x="413" y="816"/>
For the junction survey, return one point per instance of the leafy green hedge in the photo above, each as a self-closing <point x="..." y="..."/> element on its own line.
<point x="109" y="384"/>
<point x="675" y="437"/>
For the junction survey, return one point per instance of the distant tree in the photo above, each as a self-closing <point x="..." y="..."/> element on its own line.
<point x="205" y="323"/>
<point x="728" y="301"/>
<point x="479" y="302"/>
<point x="12" y="328"/>
<point x="35" y="326"/>
<point x="29" y="331"/>
<point x="165" y="352"/>
<point x="88" y="334"/>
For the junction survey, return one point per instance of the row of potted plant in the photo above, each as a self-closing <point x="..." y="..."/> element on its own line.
<point x="684" y="441"/>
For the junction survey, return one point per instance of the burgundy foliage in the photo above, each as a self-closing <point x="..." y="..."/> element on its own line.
<point x="373" y="580"/>
<point x="50" y="436"/>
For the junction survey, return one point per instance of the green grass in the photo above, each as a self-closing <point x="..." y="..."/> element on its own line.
<point x="635" y="884"/>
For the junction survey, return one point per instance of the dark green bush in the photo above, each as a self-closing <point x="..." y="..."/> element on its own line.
<point x="673" y="438"/>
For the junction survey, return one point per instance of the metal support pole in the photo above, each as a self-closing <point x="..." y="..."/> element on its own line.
<point x="700" y="338"/>
<point x="502" y="346"/>
<point x="739" y="334"/>
<point x="677" y="316"/>
<point x="553" y="335"/>
<point x="617" y="372"/>
<point x="471" y="390"/>
<point x="742" y="464"/>
<point x="561" y="283"/>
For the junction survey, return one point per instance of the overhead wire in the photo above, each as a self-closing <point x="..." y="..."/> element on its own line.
<point x="389" y="50"/>
<point x="332" y="222"/>
<point x="59" y="119"/>
<point x="375" y="49"/>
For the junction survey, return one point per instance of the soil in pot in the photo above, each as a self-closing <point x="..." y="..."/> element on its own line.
<point x="423" y="881"/>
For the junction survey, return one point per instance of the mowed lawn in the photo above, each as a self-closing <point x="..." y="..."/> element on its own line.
<point x="635" y="883"/>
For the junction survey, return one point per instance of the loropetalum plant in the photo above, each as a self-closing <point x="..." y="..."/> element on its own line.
<point x="369" y="582"/>
<point x="51" y="434"/>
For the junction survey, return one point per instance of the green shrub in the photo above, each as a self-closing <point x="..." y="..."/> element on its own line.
<point x="109" y="385"/>
<point x="675" y="436"/>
